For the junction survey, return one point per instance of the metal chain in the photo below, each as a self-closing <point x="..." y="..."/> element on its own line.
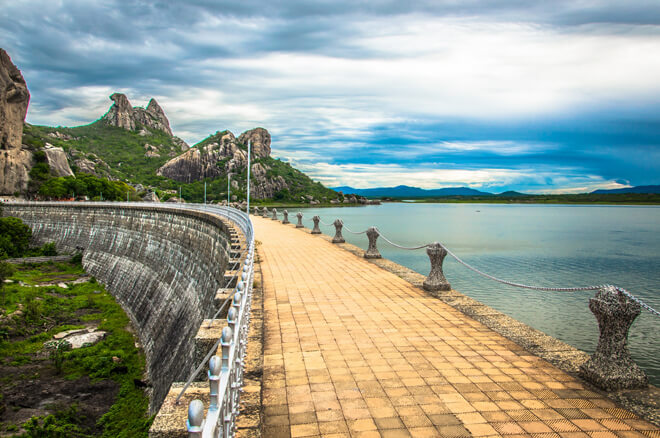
<point x="352" y="232"/>
<point x="637" y="300"/>
<point x="524" y="286"/>
<point x="324" y="223"/>
<point x="411" y="248"/>
<point x="555" y="289"/>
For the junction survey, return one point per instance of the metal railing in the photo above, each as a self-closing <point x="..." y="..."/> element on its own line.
<point x="225" y="373"/>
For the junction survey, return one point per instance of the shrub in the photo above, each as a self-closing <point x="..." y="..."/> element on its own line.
<point x="56" y="353"/>
<point x="14" y="237"/>
<point x="49" y="249"/>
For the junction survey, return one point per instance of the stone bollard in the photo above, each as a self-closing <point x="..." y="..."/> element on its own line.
<point x="372" y="251"/>
<point x="256" y="211"/>
<point x="436" y="280"/>
<point x="316" y="229"/>
<point x="285" y="213"/>
<point x="338" y="236"/>
<point x="610" y="367"/>
<point x="299" y="224"/>
<point x="265" y="212"/>
<point x="196" y="419"/>
<point x="274" y="214"/>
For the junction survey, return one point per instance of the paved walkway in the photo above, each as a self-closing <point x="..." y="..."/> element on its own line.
<point x="353" y="350"/>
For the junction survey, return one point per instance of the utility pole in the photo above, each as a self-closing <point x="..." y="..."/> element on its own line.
<point x="180" y="194"/>
<point x="204" y="192"/>
<point x="248" y="182"/>
<point x="228" y="188"/>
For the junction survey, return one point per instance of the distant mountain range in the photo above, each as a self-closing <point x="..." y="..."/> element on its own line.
<point x="637" y="189"/>
<point x="416" y="192"/>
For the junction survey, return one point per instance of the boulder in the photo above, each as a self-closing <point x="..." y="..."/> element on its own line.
<point x="182" y="144"/>
<point x="151" y="197"/>
<point x="86" y="166"/>
<point x="56" y="158"/>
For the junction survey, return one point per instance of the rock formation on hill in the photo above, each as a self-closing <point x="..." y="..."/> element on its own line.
<point x="123" y="115"/>
<point x="153" y="117"/>
<point x="221" y="154"/>
<point x="120" y="113"/>
<point x="201" y="161"/>
<point x="260" y="139"/>
<point x="16" y="160"/>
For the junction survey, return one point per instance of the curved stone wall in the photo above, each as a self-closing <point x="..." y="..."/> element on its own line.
<point x="163" y="265"/>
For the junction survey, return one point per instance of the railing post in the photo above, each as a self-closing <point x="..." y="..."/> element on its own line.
<point x="274" y="214"/>
<point x="195" y="421"/>
<point x="299" y="224"/>
<point x="215" y="364"/>
<point x="436" y="280"/>
<point x="225" y="343"/>
<point x="265" y="212"/>
<point x="316" y="229"/>
<point x="611" y="367"/>
<point x="372" y="251"/>
<point x="285" y="213"/>
<point x="338" y="236"/>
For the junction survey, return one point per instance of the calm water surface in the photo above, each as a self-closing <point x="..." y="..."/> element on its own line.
<point x="549" y="245"/>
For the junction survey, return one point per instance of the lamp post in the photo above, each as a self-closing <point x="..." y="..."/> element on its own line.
<point x="228" y="188"/>
<point x="248" y="182"/>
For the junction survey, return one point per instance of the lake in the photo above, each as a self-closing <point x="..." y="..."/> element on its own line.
<point x="548" y="245"/>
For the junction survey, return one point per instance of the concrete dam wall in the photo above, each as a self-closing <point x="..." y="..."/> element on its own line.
<point x="163" y="265"/>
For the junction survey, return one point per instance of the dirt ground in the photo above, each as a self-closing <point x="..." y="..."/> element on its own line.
<point x="35" y="389"/>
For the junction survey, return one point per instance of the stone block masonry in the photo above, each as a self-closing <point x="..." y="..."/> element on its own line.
<point x="163" y="265"/>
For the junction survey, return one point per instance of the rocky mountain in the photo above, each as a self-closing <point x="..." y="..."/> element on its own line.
<point x="123" y="115"/>
<point x="636" y="189"/>
<point x="17" y="160"/>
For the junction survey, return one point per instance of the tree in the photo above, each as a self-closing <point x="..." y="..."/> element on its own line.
<point x="14" y="237"/>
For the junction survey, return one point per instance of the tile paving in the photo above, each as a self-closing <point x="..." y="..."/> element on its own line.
<point x="351" y="350"/>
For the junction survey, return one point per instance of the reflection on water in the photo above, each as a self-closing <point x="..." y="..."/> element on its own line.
<point x="550" y="245"/>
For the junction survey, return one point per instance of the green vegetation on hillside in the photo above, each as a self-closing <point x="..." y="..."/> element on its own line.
<point x="124" y="153"/>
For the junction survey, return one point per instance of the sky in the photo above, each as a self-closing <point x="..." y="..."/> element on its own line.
<point x="530" y="95"/>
